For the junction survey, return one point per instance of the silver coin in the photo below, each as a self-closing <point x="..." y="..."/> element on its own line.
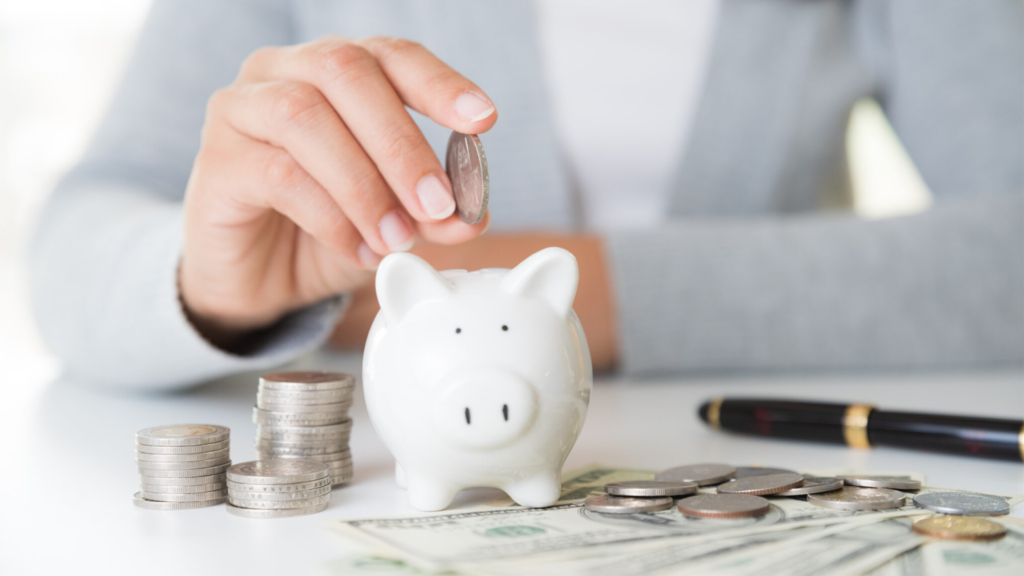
<point x="212" y="447"/>
<point x="278" y="488"/>
<point x="466" y="165"/>
<point x="702" y="474"/>
<point x="141" y="502"/>
<point x="306" y="381"/>
<point x="321" y="410"/>
<point x="333" y="443"/>
<point x="328" y="430"/>
<point x="192" y="481"/>
<point x="194" y="473"/>
<point x="279" y="496"/>
<point x="762" y="485"/>
<point x="195" y="497"/>
<point x="196" y="464"/>
<point x="853" y="498"/>
<point x="608" y="504"/>
<point x="340" y="480"/>
<point x="264" y="399"/>
<point x="273" y="418"/>
<point x="814" y="485"/>
<point x="340" y="394"/>
<point x="748" y="471"/>
<point x="197" y="489"/>
<point x="724" y="506"/>
<point x="300" y="452"/>
<point x="249" y="513"/>
<point x="893" y="482"/>
<point x="182" y="435"/>
<point x="144" y="457"/>
<point x="962" y="504"/>
<point x="253" y="504"/>
<point x="278" y="471"/>
<point x="332" y="457"/>
<point x="266" y="434"/>
<point x="650" y="488"/>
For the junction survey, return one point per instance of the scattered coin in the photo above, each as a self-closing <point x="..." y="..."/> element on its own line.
<point x="962" y="503"/>
<point x="748" y="471"/>
<point x="182" y="435"/>
<point x="814" y="485"/>
<point x="250" y="513"/>
<point x="277" y="471"/>
<point x="141" y="502"/>
<point x="724" y="506"/>
<point x="466" y="165"/>
<point x="650" y="488"/>
<point x="959" y="528"/>
<point x="608" y="504"/>
<point x="762" y="485"/>
<point x="893" y="482"/>
<point x="853" y="498"/>
<point x="702" y="474"/>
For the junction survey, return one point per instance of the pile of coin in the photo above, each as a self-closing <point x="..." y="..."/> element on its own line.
<point x="278" y="488"/>
<point x="182" y="466"/>
<point x="741" y="492"/>
<point x="305" y="415"/>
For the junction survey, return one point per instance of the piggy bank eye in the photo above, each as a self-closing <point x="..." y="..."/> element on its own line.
<point x="458" y="330"/>
<point x="504" y="328"/>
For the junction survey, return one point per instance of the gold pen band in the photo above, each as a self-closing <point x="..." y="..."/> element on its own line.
<point x="855" y="425"/>
<point x="715" y="410"/>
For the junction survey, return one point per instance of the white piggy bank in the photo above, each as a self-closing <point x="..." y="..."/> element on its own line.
<point x="478" y="378"/>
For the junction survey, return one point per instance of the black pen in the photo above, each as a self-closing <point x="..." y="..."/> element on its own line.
<point x="864" y="426"/>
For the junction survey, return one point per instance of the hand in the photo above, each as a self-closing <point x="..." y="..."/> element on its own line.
<point x="310" y="170"/>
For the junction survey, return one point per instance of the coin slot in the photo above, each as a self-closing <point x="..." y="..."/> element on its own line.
<point x="504" y="411"/>
<point x="504" y="327"/>
<point x="467" y="415"/>
<point x="458" y="330"/>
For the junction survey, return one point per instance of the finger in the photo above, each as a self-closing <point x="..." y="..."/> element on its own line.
<point x="364" y="97"/>
<point x="267" y="177"/>
<point x="298" y="118"/>
<point x="452" y="231"/>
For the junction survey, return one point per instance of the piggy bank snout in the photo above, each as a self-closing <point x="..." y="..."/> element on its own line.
<point x="485" y="409"/>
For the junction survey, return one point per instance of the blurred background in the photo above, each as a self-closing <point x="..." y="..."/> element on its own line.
<point x="59" y="64"/>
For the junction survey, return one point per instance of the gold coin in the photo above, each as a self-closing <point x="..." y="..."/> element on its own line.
<point x="959" y="528"/>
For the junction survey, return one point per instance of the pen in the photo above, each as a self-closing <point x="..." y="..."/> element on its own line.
<point x="864" y="426"/>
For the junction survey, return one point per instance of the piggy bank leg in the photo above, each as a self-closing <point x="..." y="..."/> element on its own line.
<point x="400" y="478"/>
<point x="536" y="491"/>
<point x="428" y="494"/>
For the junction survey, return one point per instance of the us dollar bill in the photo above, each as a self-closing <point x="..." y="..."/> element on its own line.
<point x="957" y="558"/>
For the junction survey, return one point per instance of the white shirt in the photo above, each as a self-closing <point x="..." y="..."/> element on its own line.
<point x="624" y="80"/>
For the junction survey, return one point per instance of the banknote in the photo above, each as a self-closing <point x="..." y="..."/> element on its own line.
<point x="961" y="558"/>
<point x="578" y="484"/>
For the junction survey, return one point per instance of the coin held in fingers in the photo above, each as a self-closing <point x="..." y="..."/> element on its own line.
<point x="466" y="166"/>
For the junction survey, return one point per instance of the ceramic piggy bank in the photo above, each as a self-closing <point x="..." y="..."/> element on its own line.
<point x="478" y="378"/>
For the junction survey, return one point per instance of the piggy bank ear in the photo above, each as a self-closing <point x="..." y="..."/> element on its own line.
<point x="403" y="281"/>
<point x="551" y="275"/>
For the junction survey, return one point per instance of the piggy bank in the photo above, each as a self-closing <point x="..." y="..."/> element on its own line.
<point x="478" y="378"/>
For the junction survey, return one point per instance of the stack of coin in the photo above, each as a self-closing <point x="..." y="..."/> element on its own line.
<point x="278" y="488"/>
<point x="182" y="466"/>
<point x="305" y="415"/>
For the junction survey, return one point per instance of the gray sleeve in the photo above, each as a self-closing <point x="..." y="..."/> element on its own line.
<point x="105" y="256"/>
<point x="940" y="289"/>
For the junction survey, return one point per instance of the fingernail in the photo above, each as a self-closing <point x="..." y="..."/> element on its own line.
<point x="368" y="257"/>
<point x="395" y="232"/>
<point x="436" y="199"/>
<point x="472" y="108"/>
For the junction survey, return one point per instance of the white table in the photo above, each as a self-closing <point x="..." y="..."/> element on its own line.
<point x="68" y="474"/>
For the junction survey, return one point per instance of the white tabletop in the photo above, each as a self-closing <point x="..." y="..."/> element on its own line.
<point x="68" y="473"/>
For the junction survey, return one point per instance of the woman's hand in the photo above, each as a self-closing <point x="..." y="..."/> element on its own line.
<point x="310" y="170"/>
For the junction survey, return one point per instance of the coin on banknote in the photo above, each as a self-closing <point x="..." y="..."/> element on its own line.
<point x="650" y="488"/>
<point x="306" y="381"/>
<point x="959" y="528"/>
<point x="194" y="497"/>
<point x="608" y="504"/>
<point x="702" y="474"/>
<point x="201" y="448"/>
<point x="748" y="471"/>
<point x="278" y="471"/>
<point x="146" y="457"/>
<point x="724" y="506"/>
<point x="141" y="502"/>
<point x="285" y="513"/>
<point x="466" y="165"/>
<point x="963" y="503"/>
<point x="278" y="496"/>
<point x="261" y="504"/>
<point x="762" y="485"/>
<point x="182" y="435"/>
<point x="893" y="482"/>
<point x="813" y="485"/>
<point x="199" y="488"/>
<point x="853" y="498"/>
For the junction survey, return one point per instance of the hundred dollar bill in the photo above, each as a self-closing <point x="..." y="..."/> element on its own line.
<point x="579" y="484"/>
<point x="957" y="558"/>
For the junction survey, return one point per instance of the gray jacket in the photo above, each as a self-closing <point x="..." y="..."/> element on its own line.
<point x="754" y="271"/>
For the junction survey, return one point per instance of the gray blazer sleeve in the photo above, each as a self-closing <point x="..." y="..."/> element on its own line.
<point x="941" y="289"/>
<point x="104" y="261"/>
